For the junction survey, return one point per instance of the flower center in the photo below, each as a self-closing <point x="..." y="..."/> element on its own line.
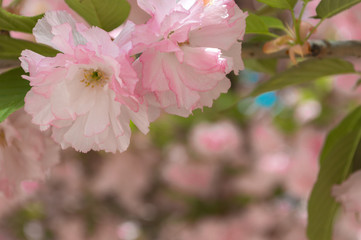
<point x="94" y="78"/>
<point x="3" y="142"/>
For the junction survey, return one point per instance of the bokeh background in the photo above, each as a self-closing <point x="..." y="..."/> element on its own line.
<point x="243" y="169"/>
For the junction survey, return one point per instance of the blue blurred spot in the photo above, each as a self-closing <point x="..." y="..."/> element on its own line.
<point x="250" y="76"/>
<point x="266" y="100"/>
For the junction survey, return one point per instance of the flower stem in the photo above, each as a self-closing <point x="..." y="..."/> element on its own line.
<point x="314" y="29"/>
<point x="296" y="25"/>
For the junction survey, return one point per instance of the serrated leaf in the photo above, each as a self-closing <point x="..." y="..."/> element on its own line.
<point x="261" y="24"/>
<point x="304" y="72"/>
<point x="106" y="14"/>
<point x="283" y="4"/>
<point x="11" y="48"/>
<point x="13" y="89"/>
<point x="329" y="8"/>
<point x="13" y="22"/>
<point x="338" y="160"/>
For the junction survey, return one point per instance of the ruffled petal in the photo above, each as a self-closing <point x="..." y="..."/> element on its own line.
<point x="153" y="76"/>
<point x="44" y="29"/>
<point x="98" y="117"/>
<point x="158" y="8"/>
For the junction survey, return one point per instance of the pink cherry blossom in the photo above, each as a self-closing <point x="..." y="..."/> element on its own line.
<point x="86" y="94"/>
<point x="26" y="155"/>
<point x="187" y="47"/>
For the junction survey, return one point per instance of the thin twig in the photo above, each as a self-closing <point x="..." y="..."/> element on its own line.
<point x="318" y="48"/>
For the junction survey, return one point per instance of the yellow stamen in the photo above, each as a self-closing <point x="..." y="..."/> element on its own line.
<point x="94" y="78"/>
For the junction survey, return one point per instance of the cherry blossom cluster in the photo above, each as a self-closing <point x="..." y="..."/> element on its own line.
<point x="176" y="62"/>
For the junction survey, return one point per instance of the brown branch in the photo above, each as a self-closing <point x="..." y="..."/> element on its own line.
<point x="8" y="63"/>
<point x="318" y="48"/>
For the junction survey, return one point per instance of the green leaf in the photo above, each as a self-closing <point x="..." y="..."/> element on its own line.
<point x="261" y="65"/>
<point x="11" y="48"/>
<point x="304" y="72"/>
<point x="106" y="14"/>
<point x="254" y="24"/>
<point x="357" y="84"/>
<point x="261" y="25"/>
<point x="338" y="160"/>
<point x="13" y="22"/>
<point x="329" y="8"/>
<point x="283" y="4"/>
<point x="13" y="89"/>
<point x="273" y="22"/>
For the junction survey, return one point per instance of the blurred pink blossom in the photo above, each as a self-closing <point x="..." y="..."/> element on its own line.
<point x="220" y="139"/>
<point x="266" y="139"/>
<point x="255" y="183"/>
<point x="26" y="155"/>
<point x="113" y="178"/>
<point x="30" y="187"/>
<point x="208" y="229"/>
<point x="349" y="195"/>
<point x="274" y="163"/>
<point x="195" y="178"/>
<point x="304" y="162"/>
<point x="343" y="26"/>
<point x="307" y="110"/>
<point x="128" y="231"/>
<point x="347" y="227"/>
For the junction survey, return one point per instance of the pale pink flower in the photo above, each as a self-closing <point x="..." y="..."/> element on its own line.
<point x="86" y="94"/>
<point x="348" y="193"/>
<point x="219" y="139"/>
<point x="26" y="155"/>
<point x="187" y="48"/>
